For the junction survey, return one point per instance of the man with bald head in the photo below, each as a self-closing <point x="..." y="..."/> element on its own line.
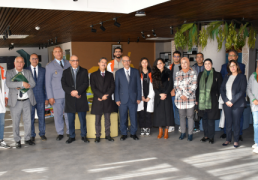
<point x="185" y="85"/>
<point x="55" y="92"/>
<point x="38" y="74"/>
<point x="19" y="102"/>
<point x="75" y="82"/>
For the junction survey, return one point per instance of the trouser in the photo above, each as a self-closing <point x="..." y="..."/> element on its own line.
<point x="196" y="124"/>
<point x="255" y="124"/>
<point x="241" y="125"/>
<point x="186" y="113"/>
<point x="71" y="119"/>
<point x="58" y="108"/>
<point x="145" y="118"/>
<point x="233" y="116"/>
<point x="2" y="126"/>
<point x="41" y="119"/>
<point x="98" y="124"/>
<point x="208" y="126"/>
<point x="23" y="107"/>
<point x="176" y="113"/>
<point x="123" y="112"/>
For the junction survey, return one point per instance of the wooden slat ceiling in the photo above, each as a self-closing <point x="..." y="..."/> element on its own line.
<point x="75" y="26"/>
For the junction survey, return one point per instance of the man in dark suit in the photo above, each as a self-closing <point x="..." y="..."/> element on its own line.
<point x="103" y="86"/>
<point x="127" y="96"/>
<point x="232" y="55"/>
<point x="75" y="82"/>
<point x="39" y="90"/>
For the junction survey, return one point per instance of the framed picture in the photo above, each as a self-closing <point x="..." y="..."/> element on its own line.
<point x="113" y="46"/>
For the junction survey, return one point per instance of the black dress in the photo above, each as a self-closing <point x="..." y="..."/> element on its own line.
<point x="163" y="109"/>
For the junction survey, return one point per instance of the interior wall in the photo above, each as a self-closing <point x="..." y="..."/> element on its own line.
<point x="89" y="53"/>
<point x="162" y="47"/>
<point x="29" y="50"/>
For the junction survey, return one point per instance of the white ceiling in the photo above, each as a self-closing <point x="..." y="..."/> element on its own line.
<point x="110" y="6"/>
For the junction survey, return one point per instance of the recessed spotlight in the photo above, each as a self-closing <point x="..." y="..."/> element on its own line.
<point x="140" y="14"/>
<point x="148" y="35"/>
<point x="185" y="21"/>
<point x="37" y="28"/>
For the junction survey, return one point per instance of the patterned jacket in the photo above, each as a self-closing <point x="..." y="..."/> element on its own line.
<point x="185" y="84"/>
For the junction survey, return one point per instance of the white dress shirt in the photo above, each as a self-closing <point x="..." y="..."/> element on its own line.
<point x="32" y="69"/>
<point x="128" y="72"/>
<point x="25" y="95"/>
<point x="102" y="72"/>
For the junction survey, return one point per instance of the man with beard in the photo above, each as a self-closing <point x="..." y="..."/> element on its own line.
<point x="116" y="64"/>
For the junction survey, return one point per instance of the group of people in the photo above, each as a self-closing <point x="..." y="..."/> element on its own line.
<point x="172" y="94"/>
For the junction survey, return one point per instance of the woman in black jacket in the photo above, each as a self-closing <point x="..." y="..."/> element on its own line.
<point x="232" y="92"/>
<point x="207" y="95"/>
<point x="162" y="85"/>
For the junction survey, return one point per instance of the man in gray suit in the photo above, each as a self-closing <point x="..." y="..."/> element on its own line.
<point x="20" y="102"/>
<point x="55" y="92"/>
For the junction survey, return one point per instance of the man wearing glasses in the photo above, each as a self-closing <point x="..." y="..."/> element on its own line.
<point x="175" y="67"/>
<point x="232" y="55"/>
<point x="38" y="74"/>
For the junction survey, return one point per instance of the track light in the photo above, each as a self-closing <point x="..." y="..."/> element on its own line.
<point x="153" y="32"/>
<point x="9" y="31"/>
<point x="138" y="39"/>
<point x="6" y="34"/>
<point x="51" y="41"/>
<point x="128" y="42"/>
<point x="171" y="30"/>
<point x="11" y="46"/>
<point x="102" y="27"/>
<point x="116" y="23"/>
<point x="118" y="41"/>
<point x="92" y="29"/>
<point x="143" y="34"/>
<point x="4" y="37"/>
<point x="46" y="45"/>
<point x="39" y="46"/>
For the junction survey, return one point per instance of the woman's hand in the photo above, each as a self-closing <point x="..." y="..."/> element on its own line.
<point x="229" y="104"/>
<point x="163" y="96"/>
<point x="143" y="98"/>
<point x="255" y="102"/>
<point x="147" y="99"/>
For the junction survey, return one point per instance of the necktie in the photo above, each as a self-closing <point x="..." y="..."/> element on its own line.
<point x="35" y="75"/>
<point x="20" y="94"/>
<point x="61" y="64"/>
<point x="103" y="74"/>
<point x="128" y="76"/>
<point x="74" y="76"/>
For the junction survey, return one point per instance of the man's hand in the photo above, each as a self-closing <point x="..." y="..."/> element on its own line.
<point x="46" y="102"/>
<point x="143" y="99"/>
<point x="196" y="103"/>
<point x="105" y="97"/>
<point x="118" y="103"/>
<point x="74" y="93"/>
<point x="138" y="101"/>
<point x="173" y="92"/>
<point x="78" y="97"/>
<point x="163" y="96"/>
<point x="229" y="104"/>
<point x="52" y="101"/>
<point x="26" y="85"/>
<point x="184" y="98"/>
<point x="147" y="99"/>
<point x="99" y="99"/>
<point x="255" y="102"/>
<point x="6" y="102"/>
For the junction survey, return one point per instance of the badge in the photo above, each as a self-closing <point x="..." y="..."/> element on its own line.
<point x="56" y="72"/>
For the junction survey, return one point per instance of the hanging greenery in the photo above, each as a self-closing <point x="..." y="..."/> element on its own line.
<point x="252" y="37"/>
<point x="203" y="38"/>
<point x="180" y="40"/>
<point x="213" y="29"/>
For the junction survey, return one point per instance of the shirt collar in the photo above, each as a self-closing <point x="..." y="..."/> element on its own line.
<point x="128" y="69"/>
<point x="18" y="71"/>
<point x="32" y="67"/>
<point x="59" y="61"/>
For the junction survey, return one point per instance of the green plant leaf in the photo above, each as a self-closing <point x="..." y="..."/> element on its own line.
<point x="185" y="27"/>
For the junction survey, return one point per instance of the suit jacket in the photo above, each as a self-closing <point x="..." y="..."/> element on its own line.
<point x="53" y="77"/>
<point x="224" y="71"/>
<point x="125" y="91"/>
<point x="99" y="87"/>
<point x="238" y="91"/>
<point x="39" y="90"/>
<point x="13" y="92"/>
<point x="72" y="104"/>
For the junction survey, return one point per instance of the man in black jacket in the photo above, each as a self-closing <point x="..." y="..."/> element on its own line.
<point x="75" y="82"/>
<point x="103" y="86"/>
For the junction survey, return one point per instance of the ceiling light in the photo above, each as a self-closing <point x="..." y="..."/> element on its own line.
<point x="16" y="36"/>
<point x="153" y="32"/>
<point x="4" y="37"/>
<point x="128" y="42"/>
<point x="118" y="41"/>
<point x="9" y="31"/>
<point x="140" y="14"/>
<point x="171" y="30"/>
<point x="185" y="21"/>
<point x="6" y="34"/>
<point x="138" y="39"/>
<point x="116" y="23"/>
<point x="143" y="34"/>
<point x="148" y="35"/>
<point x="160" y="38"/>
<point x="92" y="29"/>
<point x="37" y="28"/>
<point x="102" y="27"/>
<point x="39" y="46"/>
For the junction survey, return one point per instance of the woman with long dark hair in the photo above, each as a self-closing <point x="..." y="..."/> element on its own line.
<point x="162" y="85"/>
<point x="145" y="108"/>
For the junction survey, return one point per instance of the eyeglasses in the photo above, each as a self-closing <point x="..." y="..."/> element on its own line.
<point x="35" y="59"/>
<point x="126" y="61"/>
<point x="74" y="60"/>
<point x="176" y="56"/>
<point x="231" y="55"/>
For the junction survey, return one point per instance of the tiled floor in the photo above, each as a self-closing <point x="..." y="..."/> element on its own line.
<point x="148" y="158"/>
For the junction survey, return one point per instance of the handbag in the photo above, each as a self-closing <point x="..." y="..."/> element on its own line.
<point x="196" y="116"/>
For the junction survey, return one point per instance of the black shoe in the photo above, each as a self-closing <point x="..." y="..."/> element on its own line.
<point x="134" y="137"/>
<point x="109" y="138"/>
<point x="59" y="137"/>
<point x="240" y="138"/>
<point x="204" y="139"/>
<point x="18" y="145"/>
<point x="70" y="140"/>
<point x="123" y="137"/>
<point x="85" y="139"/>
<point x="211" y="141"/>
<point x="68" y="135"/>
<point x="223" y="136"/>
<point x="43" y="138"/>
<point x="32" y="139"/>
<point x="29" y="142"/>
<point x="97" y="140"/>
<point x="225" y="144"/>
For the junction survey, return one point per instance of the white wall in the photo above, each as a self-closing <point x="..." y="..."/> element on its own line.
<point x="29" y="50"/>
<point x="64" y="46"/>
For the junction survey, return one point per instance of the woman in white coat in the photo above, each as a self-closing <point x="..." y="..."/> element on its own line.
<point x="3" y="103"/>
<point x="146" y="106"/>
